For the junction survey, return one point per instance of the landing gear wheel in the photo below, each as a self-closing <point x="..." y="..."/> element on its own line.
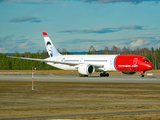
<point x="101" y="74"/>
<point x="104" y="74"/>
<point x="107" y="74"/>
<point x="141" y="75"/>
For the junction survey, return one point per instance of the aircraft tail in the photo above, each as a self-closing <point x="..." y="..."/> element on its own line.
<point x="51" y="49"/>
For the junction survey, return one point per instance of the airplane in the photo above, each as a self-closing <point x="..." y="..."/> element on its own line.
<point x="88" y="64"/>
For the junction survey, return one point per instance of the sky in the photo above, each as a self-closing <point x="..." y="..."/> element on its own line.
<point x="75" y="25"/>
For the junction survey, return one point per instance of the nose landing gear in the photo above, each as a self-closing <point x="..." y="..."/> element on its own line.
<point x="142" y="73"/>
<point x="104" y="74"/>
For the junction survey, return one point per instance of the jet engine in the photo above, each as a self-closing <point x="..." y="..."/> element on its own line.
<point x="129" y="73"/>
<point x="86" y="69"/>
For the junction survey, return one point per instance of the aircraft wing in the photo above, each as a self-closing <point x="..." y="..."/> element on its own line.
<point x="60" y="62"/>
<point x="42" y="60"/>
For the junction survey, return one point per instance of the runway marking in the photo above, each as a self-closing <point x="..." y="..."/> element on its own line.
<point x="79" y="115"/>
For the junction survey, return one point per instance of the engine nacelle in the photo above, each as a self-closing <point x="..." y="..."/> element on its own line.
<point x="129" y="73"/>
<point x="86" y="69"/>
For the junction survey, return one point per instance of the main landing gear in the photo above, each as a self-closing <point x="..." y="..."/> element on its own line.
<point x="104" y="74"/>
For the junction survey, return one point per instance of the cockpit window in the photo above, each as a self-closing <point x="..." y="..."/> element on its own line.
<point x="145" y="60"/>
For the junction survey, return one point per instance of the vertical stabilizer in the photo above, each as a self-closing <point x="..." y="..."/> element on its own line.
<point x="52" y="51"/>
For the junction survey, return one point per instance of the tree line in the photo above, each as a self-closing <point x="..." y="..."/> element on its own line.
<point x="19" y="64"/>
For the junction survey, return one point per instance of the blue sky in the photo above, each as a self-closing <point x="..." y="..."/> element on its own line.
<point x="77" y="24"/>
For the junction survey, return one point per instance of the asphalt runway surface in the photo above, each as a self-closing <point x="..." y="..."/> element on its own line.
<point x="90" y="79"/>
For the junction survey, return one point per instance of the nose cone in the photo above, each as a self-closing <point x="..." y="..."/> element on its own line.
<point x="150" y="67"/>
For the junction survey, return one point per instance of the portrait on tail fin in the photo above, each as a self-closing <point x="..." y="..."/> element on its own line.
<point x="49" y="49"/>
<point x="52" y="51"/>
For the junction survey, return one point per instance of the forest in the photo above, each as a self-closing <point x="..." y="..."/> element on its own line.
<point x="18" y="64"/>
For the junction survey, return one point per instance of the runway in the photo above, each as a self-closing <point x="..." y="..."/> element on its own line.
<point x="76" y="79"/>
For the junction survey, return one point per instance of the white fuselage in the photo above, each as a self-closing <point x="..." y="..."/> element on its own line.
<point x="103" y="62"/>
